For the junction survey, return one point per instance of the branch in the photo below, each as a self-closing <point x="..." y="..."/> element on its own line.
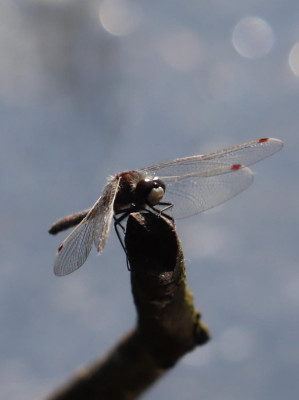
<point x="168" y="324"/>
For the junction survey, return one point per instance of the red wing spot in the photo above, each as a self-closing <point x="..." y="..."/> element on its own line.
<point x="60" y="248"/>
<point x="263" y="140"/>
<point x="236" y="166"/>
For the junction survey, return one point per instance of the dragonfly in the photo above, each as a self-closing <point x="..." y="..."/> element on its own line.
<point x="187" y="185"/>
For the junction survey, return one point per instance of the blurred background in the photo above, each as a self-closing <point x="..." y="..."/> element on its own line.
<point x="90" y="88"/>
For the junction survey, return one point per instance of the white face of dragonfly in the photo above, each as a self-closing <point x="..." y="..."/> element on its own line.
<point x="155" y="195"/>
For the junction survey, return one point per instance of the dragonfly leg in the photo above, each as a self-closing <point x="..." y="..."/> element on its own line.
<point x="162" y="212"/>
<point x="118" y="225"/>
<point x="120" y="215"/>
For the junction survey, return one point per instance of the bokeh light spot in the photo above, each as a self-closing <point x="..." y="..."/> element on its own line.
<point x="294" y="59"/>
<point x="199" y="358"/>
<point x="252" y="37"/>
<point x="120" y="17"/>
<point x="292" y="290"/>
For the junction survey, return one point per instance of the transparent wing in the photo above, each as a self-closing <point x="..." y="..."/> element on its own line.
<point x="196" y="192"/>
<point x="103" y="219"/>
<point x="75" y="248"/>
<point x="244" y="154"/>
<point x="94" y="228"/>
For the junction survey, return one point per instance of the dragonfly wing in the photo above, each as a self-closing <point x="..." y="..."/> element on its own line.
<point x="103" y="218"/>
<point x="244" y="154"/>
<point x="197" y="192"/>
<point x="75" y="248"/>
<point x="94" y="228"/>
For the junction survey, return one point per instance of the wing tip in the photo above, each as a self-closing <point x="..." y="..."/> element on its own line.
<point x="279" y="143"/>
<point x="244" y="169"/>
<point x="63" y="271"/>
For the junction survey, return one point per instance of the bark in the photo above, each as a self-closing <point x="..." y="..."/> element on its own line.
<point x="168" y="325"/>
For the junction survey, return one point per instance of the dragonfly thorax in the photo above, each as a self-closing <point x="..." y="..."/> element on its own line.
<point x="137" y="190"/>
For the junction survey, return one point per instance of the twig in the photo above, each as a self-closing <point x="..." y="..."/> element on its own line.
<point x="168" y="324"/>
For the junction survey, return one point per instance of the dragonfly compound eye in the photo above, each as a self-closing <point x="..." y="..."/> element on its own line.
<point x="155" y="195"/>
<point x="149" y="191"/>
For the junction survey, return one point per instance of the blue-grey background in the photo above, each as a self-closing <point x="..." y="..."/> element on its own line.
<point x="90" y="88"/>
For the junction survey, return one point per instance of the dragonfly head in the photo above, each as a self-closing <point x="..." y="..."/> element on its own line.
<point x="149" y="191"/>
